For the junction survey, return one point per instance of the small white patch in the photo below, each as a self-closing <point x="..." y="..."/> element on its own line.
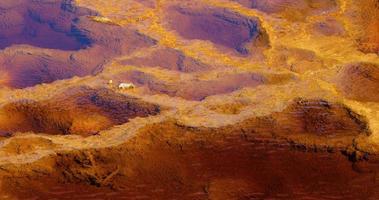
<point x="126" y="86"/>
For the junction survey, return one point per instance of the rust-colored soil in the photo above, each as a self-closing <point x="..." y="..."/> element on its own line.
<point x="226" y="99"/>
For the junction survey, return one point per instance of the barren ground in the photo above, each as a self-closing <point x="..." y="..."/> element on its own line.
<point x="234" y="99"/>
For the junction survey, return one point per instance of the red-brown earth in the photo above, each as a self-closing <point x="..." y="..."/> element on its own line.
<point x="82" y="110"/>
<point x="232" y="99"/>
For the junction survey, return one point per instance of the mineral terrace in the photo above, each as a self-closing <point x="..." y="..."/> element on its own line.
<point x="231" y="99"/>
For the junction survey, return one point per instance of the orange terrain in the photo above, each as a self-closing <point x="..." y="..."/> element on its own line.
<point x="189" y="99"/>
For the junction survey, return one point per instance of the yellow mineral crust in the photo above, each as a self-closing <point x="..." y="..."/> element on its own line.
<point x="307" y="78"/>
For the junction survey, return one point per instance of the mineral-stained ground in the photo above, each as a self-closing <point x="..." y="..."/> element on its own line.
<point x="233" y="99"/>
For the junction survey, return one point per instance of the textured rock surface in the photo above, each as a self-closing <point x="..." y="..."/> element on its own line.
<point x="234" y="99"/>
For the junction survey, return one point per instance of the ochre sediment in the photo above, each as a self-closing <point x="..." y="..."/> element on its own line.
<point x="233" y="99"/>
